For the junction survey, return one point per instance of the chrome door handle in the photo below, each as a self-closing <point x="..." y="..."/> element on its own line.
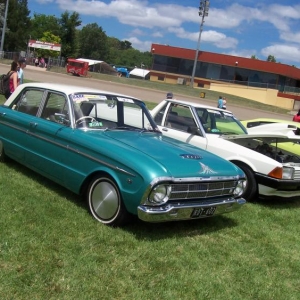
<point x="33" y="124"/>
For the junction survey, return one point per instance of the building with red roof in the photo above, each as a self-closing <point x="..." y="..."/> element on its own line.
<point x="175" y="64"/>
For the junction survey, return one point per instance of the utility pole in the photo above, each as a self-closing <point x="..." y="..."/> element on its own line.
<point x="203" y="11"/>
<point x="4" y="26"/>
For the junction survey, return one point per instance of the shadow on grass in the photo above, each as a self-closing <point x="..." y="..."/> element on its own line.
<point x="188" y="228"/>
<point x="279" y="203"/>
<point x="141" y="230"/>
<point x="47" y="183"/>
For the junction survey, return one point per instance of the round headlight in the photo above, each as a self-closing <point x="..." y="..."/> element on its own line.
<point x="240" y="188"/>
<point x="160" y="194"/>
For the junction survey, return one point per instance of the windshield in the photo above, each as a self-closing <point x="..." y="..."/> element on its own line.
<point x="96" y="111"/>
<point x="219" y="122"/>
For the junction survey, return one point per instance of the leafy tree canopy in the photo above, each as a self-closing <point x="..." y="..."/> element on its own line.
<point x="50" y="38"/>
<point x="89" y="41"/>
<point x="271" y="58"/>
<point x="93" y="42"/>
<point x="68" y="23"/>
<point x="18" y="25"/>
<point x="42" y="23"/>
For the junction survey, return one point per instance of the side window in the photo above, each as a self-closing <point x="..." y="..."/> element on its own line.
<point x="207" y="119"/>
<point x="56" y="109"/>
<point x="29" y="102"/>
<point x="180" y="117"/>
<point x="159" y="116"/>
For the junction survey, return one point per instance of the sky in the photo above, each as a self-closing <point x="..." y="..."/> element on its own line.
<point x="242" y="27"/>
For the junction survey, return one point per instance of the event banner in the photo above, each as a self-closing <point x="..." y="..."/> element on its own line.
<point x="44" y="45"/>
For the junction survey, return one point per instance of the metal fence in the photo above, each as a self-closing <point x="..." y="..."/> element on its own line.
<point x="30" y="58"/>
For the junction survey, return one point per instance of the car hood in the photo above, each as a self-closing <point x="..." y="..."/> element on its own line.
<point x="177" y="158"/>
<point x="266" y="136"/>
<point x="275" y="128"/>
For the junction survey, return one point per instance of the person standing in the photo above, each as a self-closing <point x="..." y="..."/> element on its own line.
<point x="220" y="102"/>
<point x="224" y="103"/>
<point x="22" y="66"/>
<point x="36" y="61"/>
<point x="13" y="79"/>
<point x="296" y="117"/>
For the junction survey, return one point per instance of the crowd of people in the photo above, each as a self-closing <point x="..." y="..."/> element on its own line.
<point x="16" y="75"/>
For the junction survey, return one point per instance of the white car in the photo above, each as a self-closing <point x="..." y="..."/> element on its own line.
<point x="270" y="172"/>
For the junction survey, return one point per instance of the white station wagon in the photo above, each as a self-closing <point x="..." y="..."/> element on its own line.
<point x="271" y="172"/>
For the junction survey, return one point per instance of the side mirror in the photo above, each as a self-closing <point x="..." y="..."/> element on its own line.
<point x="61" y="118"/>
<point x="193" y="130"/>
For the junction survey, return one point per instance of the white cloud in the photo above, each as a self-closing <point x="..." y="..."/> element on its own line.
<point x="157" y="34"/>
<point x="137" y="32"/>
<point x="290" y="36"/>
<point x="210" y="36"/>
<point x="138" y="44"/>
<point x="229" y="22"/>
<point x="243" y="53"/>
<point x="282" y="52"/>
<point x="44" y="1"/>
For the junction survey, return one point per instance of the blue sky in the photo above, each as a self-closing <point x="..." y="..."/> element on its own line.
<point x="243" y="27"/>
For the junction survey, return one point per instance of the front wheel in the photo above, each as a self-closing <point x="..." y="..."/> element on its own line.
<point x="105" y="203"/>
<point x="251" y="190"/>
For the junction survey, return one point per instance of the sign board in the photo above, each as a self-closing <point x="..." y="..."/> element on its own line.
<point x="44" y="45"/>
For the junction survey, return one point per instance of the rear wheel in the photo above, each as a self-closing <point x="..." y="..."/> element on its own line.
<point x="251" y="190"/>
<point x="105" y="203"/>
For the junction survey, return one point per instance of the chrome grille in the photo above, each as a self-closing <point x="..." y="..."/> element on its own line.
<point x="297" y="175"/>
<point x="192" y="191"/>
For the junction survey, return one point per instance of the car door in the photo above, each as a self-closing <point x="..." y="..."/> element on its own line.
<point x="17" y="121"/>
<point x="49" y="137"/>
<point x="179" y="122"/>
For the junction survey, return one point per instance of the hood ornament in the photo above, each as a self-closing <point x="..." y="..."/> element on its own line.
<point x="205" y="169"/>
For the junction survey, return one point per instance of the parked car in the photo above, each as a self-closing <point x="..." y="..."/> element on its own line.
<point x="107" y="147"/>
<point x="263" y="124"/>
<point x="270" y="172"/>
<point x="267" y="121"/>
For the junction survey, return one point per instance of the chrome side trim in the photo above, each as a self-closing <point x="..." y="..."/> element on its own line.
<point x="67" y="147"/>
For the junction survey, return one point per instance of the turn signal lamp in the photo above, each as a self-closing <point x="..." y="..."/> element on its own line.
<point x="282" y="173"/>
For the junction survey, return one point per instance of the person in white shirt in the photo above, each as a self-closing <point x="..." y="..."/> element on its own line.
<point x="224" y="103"/>
<point x="21" y="67"/>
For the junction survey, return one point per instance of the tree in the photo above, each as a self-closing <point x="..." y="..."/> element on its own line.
<point x="93" y="42"/>
<point x="125" y="45"/>
<point x="41" y="23"/>
<point x="68" y="23"/>
<point x="254" y="56"/>
<point x="49" y="38"/>
<point x="18" y="26"/>
<point x="271" y="58"/>
<point x="133" y="58"/>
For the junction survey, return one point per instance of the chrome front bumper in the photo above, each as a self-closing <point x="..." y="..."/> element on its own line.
<point x="188" y="210"/>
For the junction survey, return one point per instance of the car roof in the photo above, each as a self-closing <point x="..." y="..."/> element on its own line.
<point x="197" y="105"/>
<point x="63" y="88"/>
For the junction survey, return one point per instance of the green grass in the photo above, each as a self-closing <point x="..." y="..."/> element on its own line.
<point x="51" y="248"/>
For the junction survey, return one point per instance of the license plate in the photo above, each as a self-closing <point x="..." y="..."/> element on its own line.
<point x="207" y="211"/>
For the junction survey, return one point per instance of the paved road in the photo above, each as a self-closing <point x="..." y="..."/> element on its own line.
<point x="38" y="74"/>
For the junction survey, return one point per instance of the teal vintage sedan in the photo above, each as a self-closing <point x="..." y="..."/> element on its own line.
<point x="107" y="147"/>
